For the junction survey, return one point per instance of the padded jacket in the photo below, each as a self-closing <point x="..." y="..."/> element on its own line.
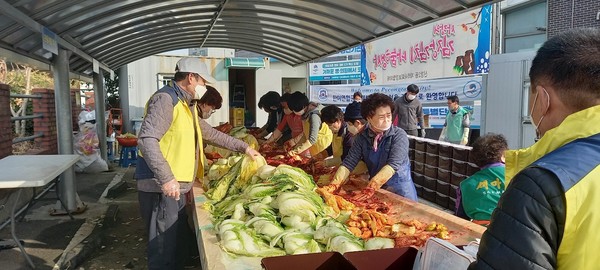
<point x="536" y="209"/>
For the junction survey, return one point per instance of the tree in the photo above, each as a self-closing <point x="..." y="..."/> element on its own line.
<point x="112" y="91"/>
<point x="22" y="79"/>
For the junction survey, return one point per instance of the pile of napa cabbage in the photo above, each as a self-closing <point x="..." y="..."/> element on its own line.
<point x="260" y="210"/>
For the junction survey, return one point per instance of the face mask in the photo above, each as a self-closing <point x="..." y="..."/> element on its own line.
<point x="536" y="126"/>
<point x="352" y="129"/>
<point x="411" y="97"/>
<point x="206" y="115"/>
<point x="379" y="128"/>
<point x="287" y="111"/>
<point x="199" y="91"/>
<point x="300" y="112"/>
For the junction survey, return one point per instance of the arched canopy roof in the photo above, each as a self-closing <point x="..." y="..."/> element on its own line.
<point x="118" y="32"/>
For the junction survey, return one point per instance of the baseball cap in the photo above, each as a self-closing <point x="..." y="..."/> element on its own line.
<point x="194" y="65"/>
<point x="352" y="112"/>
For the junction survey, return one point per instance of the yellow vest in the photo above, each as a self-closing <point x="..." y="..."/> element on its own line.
<point x="580" y="237"/>
<point x="178" y="145"/>
<point x="323" y="139"/>
<point x="337" y="145"/>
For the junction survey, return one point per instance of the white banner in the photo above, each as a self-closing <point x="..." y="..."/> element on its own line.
<point x="456" y="46"/>
<point x="431" y="91"/>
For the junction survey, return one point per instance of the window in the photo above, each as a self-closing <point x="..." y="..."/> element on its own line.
<point x="524" y="26"/>
<point x="164" y="79"/>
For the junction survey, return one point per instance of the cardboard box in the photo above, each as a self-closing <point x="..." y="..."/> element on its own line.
<point x="313" y="261"/>
<point x="382" y="259"/>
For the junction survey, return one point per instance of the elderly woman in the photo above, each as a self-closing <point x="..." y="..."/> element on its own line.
<point x="383" y="147"/>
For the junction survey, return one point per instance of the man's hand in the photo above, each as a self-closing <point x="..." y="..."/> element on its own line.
<point x="366" y="193"/>
<point x="252" y="153"/>
<point x="422" y="133"/>
<point x="171" y="189"/>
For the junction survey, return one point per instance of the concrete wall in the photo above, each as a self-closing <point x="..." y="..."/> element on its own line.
<point x="567" y="14"/>
<point x="143" y="82"/>
<point x="288" y="71"/>
<point x="266" y="80"/>
<point x="294" y="84"/>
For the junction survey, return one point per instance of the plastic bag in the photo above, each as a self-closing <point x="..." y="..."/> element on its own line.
<point x="86" y="145"/>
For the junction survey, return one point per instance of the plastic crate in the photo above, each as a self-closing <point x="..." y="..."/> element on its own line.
<point x="444" y="175"/>
<point x="442" y="187"/>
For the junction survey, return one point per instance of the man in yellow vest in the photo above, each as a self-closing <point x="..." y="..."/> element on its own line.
<point x="548" y="217"/>
<point x="170" y="146"/>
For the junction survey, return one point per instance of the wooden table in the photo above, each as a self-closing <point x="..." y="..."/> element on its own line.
<point x="213" y="257"/>
<point x="28" y="171"/>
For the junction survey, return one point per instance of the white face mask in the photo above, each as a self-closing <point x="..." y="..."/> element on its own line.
<point x="536" y="126"/>
<point x="199" y="91"/>
<point x="411" y="97"/>
<point x="300" y="112"/>
<point x="352" y="129"/>
<point x="382" y="128"/>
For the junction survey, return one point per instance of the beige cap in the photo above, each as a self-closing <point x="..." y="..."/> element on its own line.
<point x="194" y="65"/>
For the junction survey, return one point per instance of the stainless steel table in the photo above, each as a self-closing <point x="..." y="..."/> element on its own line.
<point x="29" y="171"/>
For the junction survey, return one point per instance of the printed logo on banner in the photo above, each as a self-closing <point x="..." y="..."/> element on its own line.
<point x="472" y="89"/>
<point x="322" y="94"/>
<point x="315" y="68"/>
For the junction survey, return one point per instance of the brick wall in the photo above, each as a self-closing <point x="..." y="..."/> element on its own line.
<point x="76" y="109"/>
<point x="563" y="15"/>
<point x="6" y="135"/>
<point x="46" y="124"/>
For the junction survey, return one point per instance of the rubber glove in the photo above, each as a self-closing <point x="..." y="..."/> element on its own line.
<point x="252" y="153"/>
<point x="375" y="183"/>
<point x="301" y="147"/>
<point x="422" y="133"/>
<point x="171" y="189"/>
<point x="276" y="135"/>
<point x="443" y="135"/>
<point x="465" y="138"/>
<point x="291" y="143"/>
<point x="334" y="161"/>
<point x="339" y="179"/>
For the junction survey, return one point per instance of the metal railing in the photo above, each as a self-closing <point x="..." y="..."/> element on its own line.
<point x="26" y="117"/>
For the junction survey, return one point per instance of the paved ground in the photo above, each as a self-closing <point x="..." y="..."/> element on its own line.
<point x="108" y="235"/>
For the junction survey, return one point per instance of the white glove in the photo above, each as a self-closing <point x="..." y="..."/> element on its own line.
<point x="443" y="135"/>
<point x="465" y="138"/>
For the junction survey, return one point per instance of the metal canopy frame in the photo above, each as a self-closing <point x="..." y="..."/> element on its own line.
<point x="115" y="33"/>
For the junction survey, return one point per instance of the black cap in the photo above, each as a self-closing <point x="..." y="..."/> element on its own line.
<point x="352" y="112"/>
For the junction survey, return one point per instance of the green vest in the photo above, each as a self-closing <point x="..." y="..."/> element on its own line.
<point x="454" y="125"/>
<point x="481" y="192"/>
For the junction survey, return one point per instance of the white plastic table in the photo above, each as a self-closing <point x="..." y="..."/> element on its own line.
<point x="28" y="171"/>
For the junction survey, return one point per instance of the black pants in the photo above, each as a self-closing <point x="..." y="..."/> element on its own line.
<point x="171" y="241"/>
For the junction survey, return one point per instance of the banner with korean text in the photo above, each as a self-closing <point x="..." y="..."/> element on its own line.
<point x="456" y="46"/>
<point x="430" y="91"/>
